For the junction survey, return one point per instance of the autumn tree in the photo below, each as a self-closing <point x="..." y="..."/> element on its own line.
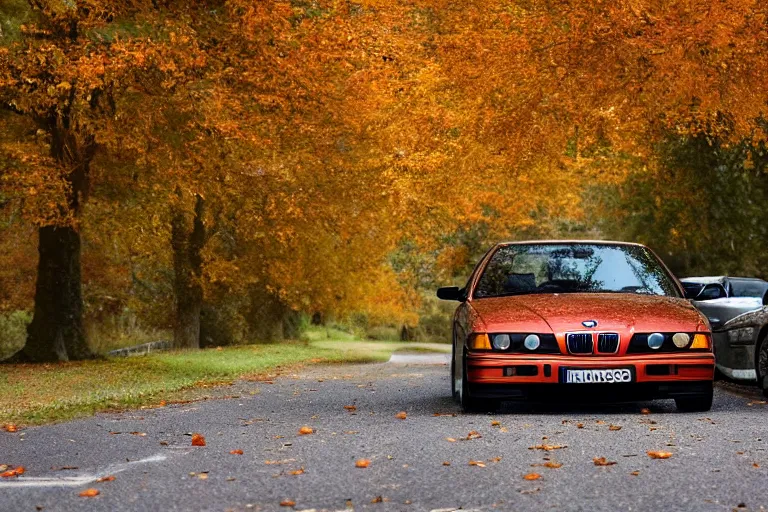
<point x="67" y="71"/>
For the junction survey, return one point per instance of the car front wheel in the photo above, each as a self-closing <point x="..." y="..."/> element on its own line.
<point x="473" y="404"/>
<point x="761" y="365"/>
<point x="699" y="402"/>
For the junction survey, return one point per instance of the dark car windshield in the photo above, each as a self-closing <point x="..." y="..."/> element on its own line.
<point x="573" y="268"/>
<point x="748" y="287"/>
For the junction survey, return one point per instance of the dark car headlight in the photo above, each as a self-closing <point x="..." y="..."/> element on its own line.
<point x="501" y="341"/>
<point x="741" y="335"/>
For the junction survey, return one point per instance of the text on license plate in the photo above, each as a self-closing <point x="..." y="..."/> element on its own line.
<point x="598" y="376"/>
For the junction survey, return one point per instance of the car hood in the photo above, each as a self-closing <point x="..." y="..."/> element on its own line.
<point x="617" y="312"/>
<point x="720" y="311"/>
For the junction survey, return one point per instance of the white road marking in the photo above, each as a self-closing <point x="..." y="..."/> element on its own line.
<point x="435" y="358"/>
<point x="75" y="481"/>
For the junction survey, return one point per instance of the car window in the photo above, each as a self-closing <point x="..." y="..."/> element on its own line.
<point x="747" y="288"/>
<point x="570" y="268"/>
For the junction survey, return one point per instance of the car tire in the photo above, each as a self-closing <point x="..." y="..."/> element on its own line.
<point x="761" y="364"/>
<point x="473" y="404"/>
<point x="696" y="403"/>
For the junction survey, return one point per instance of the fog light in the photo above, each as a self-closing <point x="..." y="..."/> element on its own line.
<point x="479" y="341"/>
<point x="681" y="340"/>
<point x="531" y="342"/>
<point x="656" y="340"/>
<point x="501" y="341"/>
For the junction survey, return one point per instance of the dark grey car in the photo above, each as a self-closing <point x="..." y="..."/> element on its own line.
<point x="727" y="303"/>
<point x="743" y="341"/>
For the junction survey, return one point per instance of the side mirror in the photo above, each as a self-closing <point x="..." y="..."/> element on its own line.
<point x="713" y="291"/>
<point x="450" y="293"/>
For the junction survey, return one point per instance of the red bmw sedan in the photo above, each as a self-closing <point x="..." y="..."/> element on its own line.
<point x="579" y="319"/>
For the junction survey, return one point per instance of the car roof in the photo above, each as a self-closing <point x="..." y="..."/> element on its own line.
<point x="704" y="279"/>
<point x="569" y="241"/>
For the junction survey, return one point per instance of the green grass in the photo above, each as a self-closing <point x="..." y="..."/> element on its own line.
<point x="36" y="394"/>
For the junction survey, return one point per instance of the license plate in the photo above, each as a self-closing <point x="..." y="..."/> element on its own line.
<point x="611" y="376"/>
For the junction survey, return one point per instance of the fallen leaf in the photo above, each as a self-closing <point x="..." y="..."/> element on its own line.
<point x="602" y="461"/>
<point x="445" y="414"/>
<point x="635" y="473"/>
<point x="446" y="463"/>
<point x="532" y="476"/>
<point x="13" y="472"/>
<point x="495" y="459"/>
<point x="10" y="427"/>
<point x="287" y="503"/>
<point x="90" y="493"/>
<point x="579" y="425"/>
<point x="303" y="431"/>
<point x="660" y="455"/>
<point x="473" y="435"/>
<point x="299" y="471"/>
<point x="495" y="423"/>
<point x="547" y="447"/>
<point x="377" y="499"/>
<point x="450" y="439"/>
<point x="236" y="452"/>
<point x="645" y="410"/>
<point x="350" y="408"/>
<point x="477" y="463"/>
<point x="3" y="467"/>
<point x="109" y="478"/>
<point x="614" y="427"/>
<point x="553" y="465"/>
<point x="202" y="476"/>
<point x="140" y="434"/>
<point x="600" y="422"/>
<point x="362" y="463"/>
<point x="401" y="415"/>
<point x="198" y="440"/>
<point x="162" y="403"/>
<point x="755" y="465"/>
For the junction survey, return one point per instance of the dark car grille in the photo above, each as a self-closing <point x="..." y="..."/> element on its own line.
<point x="579" y="343"/>
<point x="607" y="342"/>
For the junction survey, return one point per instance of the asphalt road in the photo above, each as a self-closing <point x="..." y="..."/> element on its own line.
<point x="719" y="459"/>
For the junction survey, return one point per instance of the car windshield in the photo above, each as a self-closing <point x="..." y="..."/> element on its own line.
<point x="519" y="269"/>
<point x="748" y="287"/>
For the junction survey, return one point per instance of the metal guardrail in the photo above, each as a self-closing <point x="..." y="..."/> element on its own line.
<point x="141" y="350"/>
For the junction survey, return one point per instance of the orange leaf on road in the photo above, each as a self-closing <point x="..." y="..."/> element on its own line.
<point x="236" y="452"/>
<point x="660" y="455"/>
<point x="287" y="503"/>
<point x="477" y="463"/>
<point x="548" y="447"/>
<point x="9" y="427"/>
<point x="198" y="440"/>
<point x="13" y="472"/>
<point x="635" y="473"/>
<point x="614" y="427"/>
<point x="473" y="435"/>
<point x="109" y="478"/>
<point x="602" y="461"/>
<point x="362" y="463"/>
<point x="401" y="415"/>
<point x="90" y="493"/>
<point x="299" y="471"/>
<point x="350" y="408"/>
<point x="303" y="431"/>
<point x="532" y="476"/>
<point x="645" y="410"/>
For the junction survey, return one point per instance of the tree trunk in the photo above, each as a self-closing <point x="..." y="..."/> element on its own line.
<point x="56" y="332"/>
<point x="187" y="243"/>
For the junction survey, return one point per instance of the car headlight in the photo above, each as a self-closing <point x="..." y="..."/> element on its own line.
<point x="501" y="341"/>
<point x="655" y="340"/>
<point x="743" y="335"/>
<point x="681" y="339"/>
<point x="531" y="342"/>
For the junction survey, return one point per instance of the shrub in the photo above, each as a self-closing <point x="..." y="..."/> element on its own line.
<point x="13" y="332"/>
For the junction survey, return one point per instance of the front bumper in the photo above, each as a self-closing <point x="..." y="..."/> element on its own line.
<point x="736" y="360"/>
<point x="502" y="376"/>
